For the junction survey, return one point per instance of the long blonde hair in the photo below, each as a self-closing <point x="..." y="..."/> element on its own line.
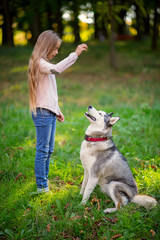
<point x="45" y="45"/>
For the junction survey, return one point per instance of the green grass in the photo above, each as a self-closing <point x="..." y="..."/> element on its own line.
<point x="133" y="93"/>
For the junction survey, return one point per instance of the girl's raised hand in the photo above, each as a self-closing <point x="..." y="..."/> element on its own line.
<point x="82" y="47"/>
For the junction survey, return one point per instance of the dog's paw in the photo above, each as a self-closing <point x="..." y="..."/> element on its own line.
<point x="83" y="203"/>
<point x="110" y="210"/>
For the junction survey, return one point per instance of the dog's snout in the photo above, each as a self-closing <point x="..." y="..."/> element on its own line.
<point x="90" y="106"/>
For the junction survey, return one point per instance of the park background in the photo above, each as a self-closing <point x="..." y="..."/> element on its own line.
<point x="119" y="73"/>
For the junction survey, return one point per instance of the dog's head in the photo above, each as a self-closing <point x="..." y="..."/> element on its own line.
<point x="100" y="122"/>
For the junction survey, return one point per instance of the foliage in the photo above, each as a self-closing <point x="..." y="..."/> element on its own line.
<point x="133" y="93"/>
<point x="23" y="21"/>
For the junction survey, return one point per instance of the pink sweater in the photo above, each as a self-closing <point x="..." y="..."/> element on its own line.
<point x="47" y="96"/>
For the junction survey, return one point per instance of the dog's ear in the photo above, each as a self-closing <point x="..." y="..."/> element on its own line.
<point x="110" y="114"/>
<point x="113" y="120"/>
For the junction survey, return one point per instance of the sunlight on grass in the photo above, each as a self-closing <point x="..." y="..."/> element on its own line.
<point x="61" y="139"/>
<point x="147" y="180"/>
<point x="19" y="69"/>
<point x="27" y="144"/>
<point x="12" y="88"/>
<point x="19" y="89"/>
<point x="14" y="196"/>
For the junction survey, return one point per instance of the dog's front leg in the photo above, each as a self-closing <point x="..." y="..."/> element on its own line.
<point x="84" y="183"/>
<point x="91" y="184"/>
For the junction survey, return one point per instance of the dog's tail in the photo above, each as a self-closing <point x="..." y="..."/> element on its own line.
<point x="145" y="201"/>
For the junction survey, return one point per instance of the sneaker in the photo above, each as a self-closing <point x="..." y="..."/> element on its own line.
<point x="42" y="190"/>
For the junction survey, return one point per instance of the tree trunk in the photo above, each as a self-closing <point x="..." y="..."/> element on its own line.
<point x="146" y="25"/>
<point x="96" y="28"/>
<point x="121" y="27"/>
<point x="138" y="23"/>
<point x="76" y="28"/>
<point x="59" y="18"/>
<point x="75" y="23"/>
<point x="100" y="32"/>
<point x="7" y="26"/>
<point x="36" y="26"/>
<point x="49" y="21"/>
<point x="155" y="27"/>
<point x="112" y="37"/>
<point x="104" y="28"/>
<point x="4" y="33"/>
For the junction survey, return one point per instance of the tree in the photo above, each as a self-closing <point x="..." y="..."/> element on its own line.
<point x="54" y="13"/>
<point x="59" y="17"/>
<point x="108" y="9"/>
<point x="144" y="9"/>
<point x="7" y="38"/>
<point x="36" y="25"/>
<point x="112" y="35"/>
<point x="100" y="30"/>
<point x="121" y="25"/>
<point x="155" y="25"/>
<point x="75" y="8"/>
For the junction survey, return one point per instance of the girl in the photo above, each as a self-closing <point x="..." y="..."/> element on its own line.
<point x="44" y="98"/>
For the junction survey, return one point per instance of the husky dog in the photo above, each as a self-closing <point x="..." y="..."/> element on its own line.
<point x="104" y="165"/>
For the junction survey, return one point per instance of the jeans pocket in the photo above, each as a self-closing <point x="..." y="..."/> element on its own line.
<point x="43" y="112"/>
<point x="42" y="118"/>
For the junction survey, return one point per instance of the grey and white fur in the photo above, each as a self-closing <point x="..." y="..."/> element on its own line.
<point x="104" y="165"/>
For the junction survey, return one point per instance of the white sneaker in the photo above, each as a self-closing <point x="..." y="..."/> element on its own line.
<point x="42" y="190"/>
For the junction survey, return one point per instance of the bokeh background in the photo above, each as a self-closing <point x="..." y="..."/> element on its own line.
<point x="22" y="21"/>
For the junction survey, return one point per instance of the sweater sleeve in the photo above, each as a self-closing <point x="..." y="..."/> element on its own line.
<point x="46" y="67"/>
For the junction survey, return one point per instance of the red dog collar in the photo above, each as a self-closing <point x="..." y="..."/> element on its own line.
<point x="93" y="139"/>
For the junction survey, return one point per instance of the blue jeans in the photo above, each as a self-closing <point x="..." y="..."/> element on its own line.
<point x="45" y="124"/>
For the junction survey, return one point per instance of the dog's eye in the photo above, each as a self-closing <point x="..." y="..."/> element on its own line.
<point x="100" y="114"/>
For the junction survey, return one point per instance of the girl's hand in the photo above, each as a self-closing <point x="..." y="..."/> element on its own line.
<point x="60" y="117"/>
<point x="82" y="47"/>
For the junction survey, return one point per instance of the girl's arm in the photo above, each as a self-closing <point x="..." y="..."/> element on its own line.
<point x="46" y="67"/>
